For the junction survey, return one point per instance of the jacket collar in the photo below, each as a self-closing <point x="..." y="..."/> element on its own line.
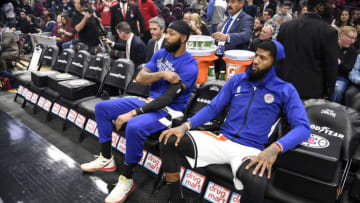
<point x="312" y="15"/>
<point x="267" y="79"/>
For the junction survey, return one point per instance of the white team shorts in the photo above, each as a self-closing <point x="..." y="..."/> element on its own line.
<point x="217" y="149"/>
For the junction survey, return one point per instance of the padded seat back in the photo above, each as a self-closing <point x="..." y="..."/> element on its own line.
<point x="50" y="56"/>
<point x="80" y="46"/>
<point x="96" y="66"/>
<point x="97" y="50"/>
<point x="121" y="73"/>
<point x="116" y="54"/>
<point x="63" y="61"/>
<point x="80" y="63"/>
<point x="136" y="88"/>
<point x="203" y="96"/>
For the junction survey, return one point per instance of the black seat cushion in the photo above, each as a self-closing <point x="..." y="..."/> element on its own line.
<point x="53" y="80"/>
<point x="40" y="78"/>
<point x="76" y="89"/>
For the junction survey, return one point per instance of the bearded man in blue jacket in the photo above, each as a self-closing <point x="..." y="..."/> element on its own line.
<point x="255" y="98"/>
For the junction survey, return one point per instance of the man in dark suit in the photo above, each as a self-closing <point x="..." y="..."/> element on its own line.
<point x="133" y="46"/>
<point x="129" y="12"/>
<point x="157" y="28"/>
<point x="235" y="32"/>
<point x="268" y="4"/>
<point x="311" y="54"/>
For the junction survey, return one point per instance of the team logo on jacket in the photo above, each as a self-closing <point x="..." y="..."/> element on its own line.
<point x="269" y="98"/>
<point x="238" y="89"/>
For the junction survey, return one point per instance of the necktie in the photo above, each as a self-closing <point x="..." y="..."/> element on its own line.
<point x="124" y="12"/>
<point x="156" y="46"/>
<point x="227" y="26"/>
<point x="127" y="51"/>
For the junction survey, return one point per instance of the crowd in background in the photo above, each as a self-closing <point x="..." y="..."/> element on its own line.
<point x="62" y="19"/>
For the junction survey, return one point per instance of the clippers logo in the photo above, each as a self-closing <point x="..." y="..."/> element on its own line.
<point x="201" y="100"/>
<point x="117" y="75"/>
<point x="326" y="130"/>
<point x="164" y="65"/>
<point x="238" y="90"/>
<point x="214" y="88"/>
<point x="316" y="142"/>
<point x="328" y="112"/>
<point x="269" y="98"/>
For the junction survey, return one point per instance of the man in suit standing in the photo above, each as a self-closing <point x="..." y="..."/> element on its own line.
<point x="8" y="47"/>
<point x="157" y="28"/>
<point x="235" y="32"/>
<point x="311" y="54"/>
<point x="130" y="13"/>
<point x="133" y="46"/>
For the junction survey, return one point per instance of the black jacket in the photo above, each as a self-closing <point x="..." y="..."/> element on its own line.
<point x="132" y="16"/>
<point x="150" y="48"/>
<point x="137" y="53"/>
<point x="348" y="58"/>
<point x="311" y="63"/>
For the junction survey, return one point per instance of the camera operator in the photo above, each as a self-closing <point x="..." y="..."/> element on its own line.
<point x="85" y="23"/>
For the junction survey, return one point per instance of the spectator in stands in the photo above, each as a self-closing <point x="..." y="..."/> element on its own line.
<point x="22" y="21"/>
<point x="267" y="15"/>
<point x="265" y="34"/>
<point x="235" y="32"/>
<point x="8" y="47"/>
<point x="56" y="27"/>
<point x="157" y="29"/>
<point x="46" y="23"/>
<point x="68" y="7"/>
<point x="311" y="54"/>
<point x="129" y="12"/>
<point x="268" y="4"/>
<point x="172" y="73"/>
<point x="38" y="9"/>
<point x="133" y="46"/>
<point x="105" y="9"/>
<point x="199" y="6"/>
<point x="8" y="9"/>
<point x="55" y="7"/>
<point x="303" y="10"/>
<point x="355" y="15"/>
<point x="283" y="16"/>
<point x="198" y="26"/>
<point x="27" y="7"/>
<point x="258" y="25"/>
<point x="243" y="137"/>
<point x="148" y="11"/>
<point x="346" y="60"/>
<point x="66" y="31"/>
<point x="187" y="18"/>
<point x="250" y="8"/>
<point x="357" y="42"/>
<point x="215" y="14"/>
<point x="86" y="25"/>
<point x="344" y="19"/>
<point x="354" y="86"/>
<point x="329" y="11"/>
<point x="31" y="26"/>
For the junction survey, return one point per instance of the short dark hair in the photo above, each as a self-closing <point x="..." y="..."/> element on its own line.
<point x="270" y="11"/>
<point x="270" y="46"/>
<point x="261" y="20"/>
<point x="123" y="27"/>
<point x="313" y="3"/>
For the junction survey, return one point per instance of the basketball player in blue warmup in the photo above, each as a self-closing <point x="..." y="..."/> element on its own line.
<point x="255" y="98"/>
<point x="172" y="73"/>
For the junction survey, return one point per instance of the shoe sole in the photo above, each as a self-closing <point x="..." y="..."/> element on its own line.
<point x="125" y="197"/>
<point x="99" y="169"/>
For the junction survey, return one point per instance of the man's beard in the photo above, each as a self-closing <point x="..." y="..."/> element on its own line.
<point x="258" y="74"/>
<point x="172" y="47"/>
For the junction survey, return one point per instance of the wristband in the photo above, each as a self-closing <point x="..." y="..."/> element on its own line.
<point x="139" y="111"/>
<point x="187" y="126"/>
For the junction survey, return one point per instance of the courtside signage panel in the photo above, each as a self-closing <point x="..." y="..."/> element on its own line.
<point x="216" y="193"/>
<point x="72" y="115"/>
<point x="91" y="126"/>
<point x="115" y="139"/>
<point x="80" y="121"/>
<point x="153" y="163"/>
<point x="194" y="181"/>
<point x="235" y="198"/>
<point x="63" y="112"/>
<point x="141" y="162"/>
<point x="122" y="145"/>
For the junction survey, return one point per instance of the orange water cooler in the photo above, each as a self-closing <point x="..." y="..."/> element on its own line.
<point x="237" y="61"/>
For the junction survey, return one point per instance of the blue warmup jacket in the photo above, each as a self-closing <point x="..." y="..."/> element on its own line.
<point x="255" y="106"/>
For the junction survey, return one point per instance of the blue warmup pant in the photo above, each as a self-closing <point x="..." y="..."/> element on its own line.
<point x="137" y="128"/>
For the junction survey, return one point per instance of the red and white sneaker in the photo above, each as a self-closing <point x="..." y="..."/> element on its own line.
<point x="121" y="191"/>
<point x="99" y="164"/>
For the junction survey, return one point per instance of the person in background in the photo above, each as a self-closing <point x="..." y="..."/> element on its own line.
<point x="198" y="26"/>
<point x="258" y="25"/>
<point x="56" y="27"/>
<point x="157" y="29"/>
<point x="8" y="9"/>
<point x="68" y="7"/>
<point x="267" y="4"/>
<point x="215" y="14"/>
<point x="346" y="61"/>
<point x="22" y="20"/>
<point x="31" y="26"/>
<point x="46" y="23"/>
<point x="265" y="34"/>
<point x="355" y="15"/>
<point x="187" y="17"/>
<point x="8" y="47"/>
<point x="148" y="11"/>
<point x="344" y="19"/>
<point x="268" y="17"/>
<point x="199" y="6"/>
<point x="311" y="48"/>
<point x="38" y="9"/>
<point x="67" y="31"/>
<point x="303" y="10"/>
<point x="105" y="9"/>
<point x="250" y="8"/>
<point x="281" y="17"/>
